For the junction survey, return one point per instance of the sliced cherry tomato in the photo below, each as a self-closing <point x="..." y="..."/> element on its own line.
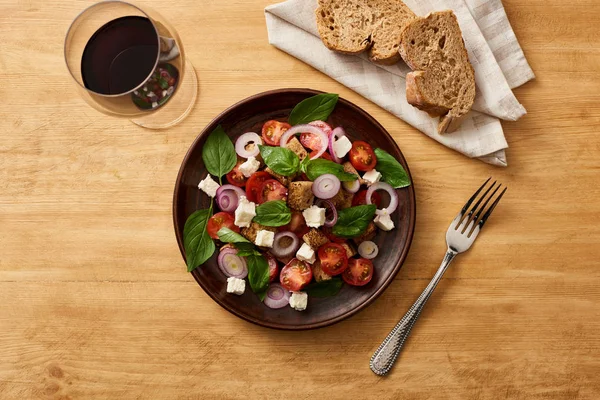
<point x="271" y="190"/>
<point x="235" y="176"/>
<point x="255" y="183"/>
<point x="218" y="221"/>
<point x="273" y="267"/>
<point x="295" y="275"/>
<point x="331" y="236"/>
<point x="333" y="258"/>
<point x="360" y="198"/>
<point x="312" y="141"/>
<point x="272" y="131"/>
<point x="359" y="272"/>
<point x="362" y="156"/>
<point x="296" y="225"/>
<point x="325" y="127"/>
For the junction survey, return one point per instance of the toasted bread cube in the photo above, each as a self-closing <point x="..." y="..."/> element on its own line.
<point x="318" y="272"/>
<point x="349" y="168"/>
<point x="315" y="238"/>
<point x="350" y="252"/>
<point x="251" y="231"/>
<point x="284" y="180"/>
<point x="300" y="195"/>
<point x="342" y="199"/>
<point x="295" y="146"/>
<point x="368" y="234"/>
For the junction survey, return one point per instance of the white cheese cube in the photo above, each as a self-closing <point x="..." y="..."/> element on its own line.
<point x="314" y="216"/>
<point x="250" y="166"/>
<point x="236" y="285"/>
<point x="244" y="213"/>
<point x="306" y="253"/>
<point x="372" y="176"/>
<point x="342" y="146"/>
<point x="383" y="221"/>
<point x="298" y="301"/>
<point x="209" y="186"/>
<point x="264" y="238"/>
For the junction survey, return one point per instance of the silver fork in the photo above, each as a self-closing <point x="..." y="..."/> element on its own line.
<point x="460" y="236"/>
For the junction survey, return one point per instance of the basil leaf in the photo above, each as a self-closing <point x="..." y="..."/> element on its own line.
<point x="218" y="153"/>
<point x="198" y="245"/>
<point x="282" y="161"/>
<point x="353" y="221"/>
<point x="273" y="213"/>
<point x="304" y="164"/>
<point x="391" y="170"/>
<point x="258" y="274"/>
<point x="245" y="252"/>
<point x="320" y="166"/>
<point x="314" y="108"/>
<point x="226" y="235"/>
<point x="327" y="288"/>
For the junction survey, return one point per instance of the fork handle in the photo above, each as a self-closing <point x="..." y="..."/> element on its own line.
<point x="384" y="357"/>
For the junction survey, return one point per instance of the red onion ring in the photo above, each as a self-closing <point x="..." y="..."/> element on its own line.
<point x="279" y="251"/>
<point x="231" y="264"/>
<point x="351" y="187"/>
<point x="277" y="296"/>
<point x="363" y="250"/>
<point x="393" y="196"/>
<point x="307" y="129"/>
<point x="330" y="222"/>
<point x="243" y="141"/>
<point x="336" y="134"/>
<point x="228" y="197"/>
<point x="326" y="186"/>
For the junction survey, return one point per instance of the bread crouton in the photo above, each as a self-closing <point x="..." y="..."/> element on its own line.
<point x="251" y="231"/>
<point x="318" y="272"/>
<point x="295" y="146"/>
<point x="349" y="168"/>
<point x="300" y="196"/>
<point x="284" y="180"/>
<point x="368" y="234"/>
<point x="342" y="199"/>
<point x="315" y="238"/>
<point x="350" y="252"/>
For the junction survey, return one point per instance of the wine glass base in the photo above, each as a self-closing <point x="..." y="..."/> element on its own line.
<point x="176" y="108"/>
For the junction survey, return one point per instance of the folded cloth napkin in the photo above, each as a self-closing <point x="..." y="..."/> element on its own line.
<point x="292" y="28"/>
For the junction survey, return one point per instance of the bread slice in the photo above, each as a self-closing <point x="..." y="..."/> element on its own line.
<point x="443" y="81"/>
<point x="355" y="26"/>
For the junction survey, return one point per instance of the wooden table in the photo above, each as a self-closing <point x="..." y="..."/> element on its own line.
<point x="95" y="299"/>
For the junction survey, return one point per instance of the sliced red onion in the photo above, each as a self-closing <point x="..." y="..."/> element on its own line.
<point x="329" y="222"/>
<point x="280" y="251"/>
<point x="231" y="264"/>
<point x="335" y="135"/>
<point x="277" y="296"/>
<point x="307" y="129"/>
<point x="326" y="186"/>
<point x="393" y="196"/>
<point x="351" y="187"/>
<point x="243" y="141"/>
<point x="228" y="197"/>
<point x="368" y="250"/>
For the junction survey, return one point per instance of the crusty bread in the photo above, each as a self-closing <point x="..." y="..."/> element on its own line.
<point x="354" y="26"/>
<point x="443" y="81"/>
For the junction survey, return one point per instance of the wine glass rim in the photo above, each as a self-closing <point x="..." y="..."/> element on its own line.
<point x="96" y="5"/>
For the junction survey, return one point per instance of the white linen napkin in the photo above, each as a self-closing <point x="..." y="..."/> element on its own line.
<point x="292" y="28"/>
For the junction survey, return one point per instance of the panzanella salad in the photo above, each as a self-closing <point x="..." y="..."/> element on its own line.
<point x="297" y="209"/>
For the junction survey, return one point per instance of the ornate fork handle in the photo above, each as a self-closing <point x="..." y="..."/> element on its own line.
<point x="383" y="359"/>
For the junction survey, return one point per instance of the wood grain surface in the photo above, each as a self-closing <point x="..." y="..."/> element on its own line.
<point x="95" y="301"/>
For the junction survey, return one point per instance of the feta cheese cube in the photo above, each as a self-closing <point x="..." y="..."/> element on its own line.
<point x="250" y="166"/>
<point x="244" y="213"/>
<point x="264" y="238"/>
<point x="342" y="146"/>
<point x="314" y="216"/>
<point x="298" y="301"/>
<point x="154" y="104"/>
<point x="209" y="186"/>
<point x="372" y="176"/>
<point x="383" y="221"/>
<point x="236" y="285"/>
<point x="306" y="253"/>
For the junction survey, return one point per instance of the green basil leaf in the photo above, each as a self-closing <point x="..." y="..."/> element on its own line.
<point x="198" y="245"/>
<point x="218" y="153"/>
<point x="391" y="170"/>
<point x="314" y="108"/>
<point x="282" y="161"/>
<point x="273" y="213"/>
<point x="353" y="221"/>
<point x="226" y="235"/>
<point x="258" y="274"/>
<point x="327" y="288"/>
<point x="246" y="251"/>
<point x="304" y="164"/>
<point x="320" y="166"/>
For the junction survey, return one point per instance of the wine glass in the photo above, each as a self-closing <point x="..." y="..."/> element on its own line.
<point x="129" y="62"/>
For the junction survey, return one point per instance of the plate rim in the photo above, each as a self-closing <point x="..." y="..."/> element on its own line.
<point x="338" y="318"/>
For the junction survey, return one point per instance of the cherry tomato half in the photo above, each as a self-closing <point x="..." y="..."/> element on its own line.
<point x="360" y="198"/>
<point x="271" y="190"/>
<point x="331" y="236"/>
<point x="273" y="267"/>
<point x="312" y="141"/>
<point x="235" y="176"/>
<point x="296" y="225"/>
<point x="362" y="156"/>
<point x="255" y="183"/>
<point x="295" y="275"/>
<point x="333" y="258"/>
<point x="218" y="221"/>
<point x="359" y="272"/>
<point x="272" y="131"/>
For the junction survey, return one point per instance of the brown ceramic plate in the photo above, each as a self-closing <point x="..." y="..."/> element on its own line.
<point x="249" y="115"/>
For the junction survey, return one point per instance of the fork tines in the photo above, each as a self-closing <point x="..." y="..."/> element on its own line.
<point x="478" y="214"/>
